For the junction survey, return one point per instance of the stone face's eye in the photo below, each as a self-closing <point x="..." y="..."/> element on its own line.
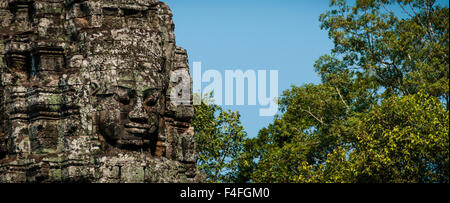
<point x="122" y="99"/>
<point x="151" y="97"/>
<point x="122" y="96"/>
<point x="150" y="101"/>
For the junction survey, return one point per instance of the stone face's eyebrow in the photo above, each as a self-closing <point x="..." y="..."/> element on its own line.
<point x="149" y="91"/>
<point x="130" y="91"/>
<point x="136" y="90"/>
<point x="123" y="87"/>
<point x="113" y="89"/>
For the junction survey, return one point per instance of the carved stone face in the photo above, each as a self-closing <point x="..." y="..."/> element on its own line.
<point x="129" y="117"/>
<point x="87" y="81"/>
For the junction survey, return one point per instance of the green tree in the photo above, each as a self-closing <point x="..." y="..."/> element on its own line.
<point x="220" y="138"/>
<point x="403" y="140"/>
<point x="381" y="111"/>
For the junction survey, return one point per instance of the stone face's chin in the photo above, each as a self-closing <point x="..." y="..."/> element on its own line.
<point x="130" y="143"/>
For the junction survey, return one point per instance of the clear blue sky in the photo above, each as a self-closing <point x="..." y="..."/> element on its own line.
<point x="253" y="34"/>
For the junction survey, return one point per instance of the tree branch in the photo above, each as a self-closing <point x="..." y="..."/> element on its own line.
<point x="309" y="112"/>
<point x="342" y="99"/>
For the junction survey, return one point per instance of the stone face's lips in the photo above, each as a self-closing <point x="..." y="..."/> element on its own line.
<point x="138" y="126"/>
<point x="137" y="129"/>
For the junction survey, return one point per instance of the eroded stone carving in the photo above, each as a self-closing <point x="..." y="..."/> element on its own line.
<point x="84" y="94"/>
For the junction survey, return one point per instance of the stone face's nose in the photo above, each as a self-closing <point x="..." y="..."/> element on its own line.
<point x="138" y="114"/>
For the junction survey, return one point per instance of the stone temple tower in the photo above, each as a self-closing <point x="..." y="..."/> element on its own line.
<point x="86" y="93"/>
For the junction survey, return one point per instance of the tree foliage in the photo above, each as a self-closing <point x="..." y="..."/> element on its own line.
<point x="220" y="137"/>
<point x="381" y="111"/>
